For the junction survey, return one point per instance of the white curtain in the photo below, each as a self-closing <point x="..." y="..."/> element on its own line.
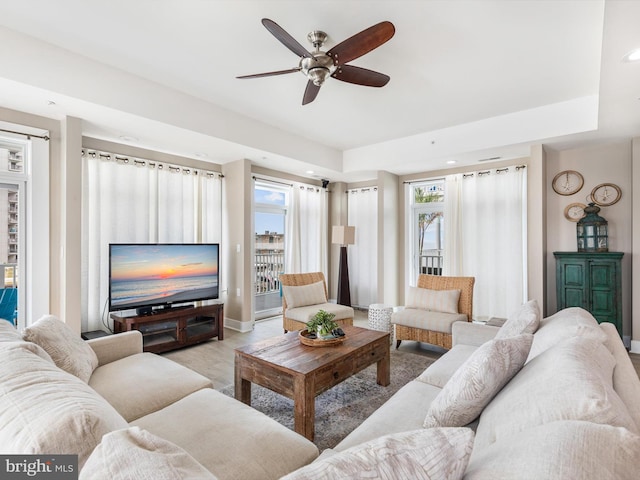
<point x="362" y="257"/>
<point x="453" y="252"/>
<point x="138" y="201"/>
<point x="485" y="222"/>
<point x="306" y="230"/>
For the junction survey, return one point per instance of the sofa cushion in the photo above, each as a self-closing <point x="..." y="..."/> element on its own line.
<point x="145" y="383"/>
<point x="303" y="295"/>
<point x="445" y="301"/>
<point x="559" y="451"/>
<point x="394" y="416"/>
<point x="629" y="391"/>
<point x="134" y="453"/>
<point x="44" y="410"/>
<point x="571" y="381"/>
<point x="525" y="319"/>
<point x="567" y="323"/>
<point x="304" y="314"/>
<point x="439" y="372"/>
<point x="8" y="332"/>
<point x="67" y="349"/>
<point x="221" y="433"/>
<point x="477" y="381"/>
<point x="435" y="454"/>
<point x="418" y="318"/>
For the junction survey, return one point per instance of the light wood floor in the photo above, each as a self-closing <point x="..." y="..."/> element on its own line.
<point x="214" y="359"/>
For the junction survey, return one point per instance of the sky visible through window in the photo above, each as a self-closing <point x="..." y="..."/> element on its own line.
<point x="269" y="222"/>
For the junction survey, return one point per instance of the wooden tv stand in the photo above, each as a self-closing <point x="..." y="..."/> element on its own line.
<point x="171" y="328"/>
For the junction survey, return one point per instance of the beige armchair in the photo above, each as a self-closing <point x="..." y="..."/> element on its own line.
<point x="303" y="295"/>
<point x="429" y="320"/>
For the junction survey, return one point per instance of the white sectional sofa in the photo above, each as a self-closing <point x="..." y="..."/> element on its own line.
<point x="553" y="398"/>
<point x="567" y="407"/>
<point x="128" y="414"/>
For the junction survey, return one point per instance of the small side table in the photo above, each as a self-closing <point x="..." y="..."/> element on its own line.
<point x="380" y="318"/>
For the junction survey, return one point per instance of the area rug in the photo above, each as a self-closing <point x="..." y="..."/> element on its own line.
<point x="341" y="409"/>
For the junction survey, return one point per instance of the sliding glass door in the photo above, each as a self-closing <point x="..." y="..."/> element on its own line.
<point x="269" y="220"/>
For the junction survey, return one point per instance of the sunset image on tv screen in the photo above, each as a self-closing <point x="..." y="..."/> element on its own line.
<point x="142" y="275"/>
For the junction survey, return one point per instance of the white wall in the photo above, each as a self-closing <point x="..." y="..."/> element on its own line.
<point x="609" y="163"/>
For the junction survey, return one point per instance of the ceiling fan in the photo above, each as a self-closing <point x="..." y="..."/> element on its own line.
<point x="318" y="65"/>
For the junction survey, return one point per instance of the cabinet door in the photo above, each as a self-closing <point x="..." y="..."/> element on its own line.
<point x="572" y="284"/>
<point x="602" y="278"/>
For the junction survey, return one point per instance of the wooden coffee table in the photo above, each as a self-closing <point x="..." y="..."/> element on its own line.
<point x="301" y="372"/>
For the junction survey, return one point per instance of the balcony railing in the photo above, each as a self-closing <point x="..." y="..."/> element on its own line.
<point x="431" y="262"/>
<point x="268" y="266"/>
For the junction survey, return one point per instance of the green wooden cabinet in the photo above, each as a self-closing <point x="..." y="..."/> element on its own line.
<point x="592" y="281"/>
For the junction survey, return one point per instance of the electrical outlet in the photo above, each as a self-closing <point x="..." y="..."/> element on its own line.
<point x="237" y="292"/>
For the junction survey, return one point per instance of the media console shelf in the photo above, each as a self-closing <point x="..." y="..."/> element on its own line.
<point x="173" y="328"/>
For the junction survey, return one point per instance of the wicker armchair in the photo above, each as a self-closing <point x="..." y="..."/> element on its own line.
<point x="296" y="318"/>
<point x="434" y="327"/>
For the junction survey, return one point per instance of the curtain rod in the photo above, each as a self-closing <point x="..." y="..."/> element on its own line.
<point x="272" y="181"/>
<point x="152" y="163"/>
<point x="418" y="180"/>
<point x="28" y="135"/>
<point x="464" y="175"/>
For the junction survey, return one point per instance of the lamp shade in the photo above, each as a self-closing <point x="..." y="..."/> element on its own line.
<point x="343" y="235"/>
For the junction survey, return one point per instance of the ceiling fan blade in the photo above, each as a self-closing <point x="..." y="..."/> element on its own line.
<point x="360" y="76"/>
<point x="270" y="74"/>
<point x="286" y="39"/>
<point x="361" y="43"/>
<point x="310" y="93"/>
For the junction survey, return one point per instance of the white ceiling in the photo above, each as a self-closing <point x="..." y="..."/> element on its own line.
<point x="470" y="80"/>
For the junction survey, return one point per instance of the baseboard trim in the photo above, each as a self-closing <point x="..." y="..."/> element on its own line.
<point x="238" y="326"/>
<point x="635" y="346"/>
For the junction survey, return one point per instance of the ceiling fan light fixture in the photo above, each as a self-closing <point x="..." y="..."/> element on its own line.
<point x="318" y="75"/>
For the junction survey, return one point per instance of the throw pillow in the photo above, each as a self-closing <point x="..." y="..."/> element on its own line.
<point x="137" y="454"/>
<point x="477" y="381"/>
<point x="303" y="295"/>
<point x="559" y="451"/>
<point x="445" y="301"/>
<point x="435" y="454"/>
<point x="67" y="349"/>
<point x="525" y="319"/>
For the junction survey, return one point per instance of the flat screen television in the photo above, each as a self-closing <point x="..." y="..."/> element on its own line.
<point x="144" y="276"/>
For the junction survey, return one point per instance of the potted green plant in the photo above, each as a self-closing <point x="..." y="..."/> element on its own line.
<point x="322" y="325"/>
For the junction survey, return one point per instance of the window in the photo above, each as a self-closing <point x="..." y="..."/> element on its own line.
<point x="426" y="224"/>
<point x="270" y="207"/>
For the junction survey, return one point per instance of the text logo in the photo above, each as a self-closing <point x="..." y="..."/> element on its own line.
<point x="49" y="467"/>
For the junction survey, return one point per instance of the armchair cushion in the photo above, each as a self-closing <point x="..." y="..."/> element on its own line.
<point x="419" y="318"/>
<point x="433" y="300"/>
<point x="304" y="314"/>
<point x="303" y="295"/>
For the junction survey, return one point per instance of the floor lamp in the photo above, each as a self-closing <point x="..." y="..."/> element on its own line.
<point x="343" y="235"/>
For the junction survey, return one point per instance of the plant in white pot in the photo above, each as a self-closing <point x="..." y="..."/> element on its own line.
<point x="322" y="325"/>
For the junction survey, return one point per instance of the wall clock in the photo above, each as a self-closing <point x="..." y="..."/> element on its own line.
<point x="574" y="211"/>
<point x="567" y="182"/>
<point x="606" y="194"/>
